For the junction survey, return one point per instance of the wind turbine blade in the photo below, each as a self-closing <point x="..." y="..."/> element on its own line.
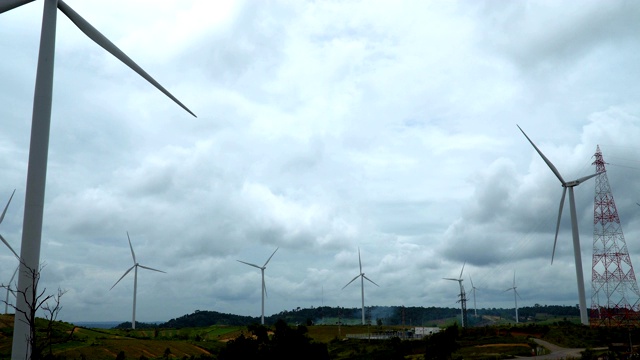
<point x="549" y="164"/>
<point x="131" y="246"/>
<point x="148" y="268"/>
<point x="121" y="277"/>
<point x="451" y="279"/>
<point x="9" y="246"/>
<point x="516" y="291"/>
<point x="7" y="206"/>
<point x="555" y="240"/>
<point x="514" y="280"/>
<point x="106" y="44"/>
<point x="354" y="279"/>
<point x="254" y="265"/>
<point x="581" y="180"/>
<point x="269" y="259"/>
<point x="473" y="287"/>
<point x="14" y="275"/>
<point x="7" y="5"/>
<point x="371" y="281"/>
<point x="463" y="264"/>
<point x="359" y="260"/>
<point x="264" y="288"/>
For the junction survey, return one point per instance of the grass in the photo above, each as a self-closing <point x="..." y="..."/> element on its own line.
<point x="490" y="342"/>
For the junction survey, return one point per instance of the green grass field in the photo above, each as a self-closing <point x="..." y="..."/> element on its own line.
<point x="493" y="342"/>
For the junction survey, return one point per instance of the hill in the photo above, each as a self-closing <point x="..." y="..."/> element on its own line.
<point x="377" y="315"/>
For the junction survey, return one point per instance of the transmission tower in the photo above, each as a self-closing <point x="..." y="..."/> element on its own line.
<point x="615" y="297"/>
<point x="463" y="307"/>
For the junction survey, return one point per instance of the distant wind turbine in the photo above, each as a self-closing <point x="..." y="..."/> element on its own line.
<point x="584" y="319"/>
<point x="473" y="290"/>
<point x="515" y="294"/>
<point x="135" y="267"/>
<point x="39" y="148"/>
<point x="264" y="286"/>
<point x="462" y="294"/>
<point x="362" y="277"/>
<point x="6" y="302"/>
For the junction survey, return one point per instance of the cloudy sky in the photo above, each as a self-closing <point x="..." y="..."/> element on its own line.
<point x="322" y="127"/>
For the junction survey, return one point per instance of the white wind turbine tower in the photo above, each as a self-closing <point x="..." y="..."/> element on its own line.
<point x="362" y="277"/>
<point x="473" y="290"/>
<point x="264" y="286"/>
<point x="584" y="319"/>
<point x="462" y="294"/>
<point x="515" y="294"/>
<point x="6" y="301"/>
<point x="39" y="148"/>
<point x="135" y="267"/>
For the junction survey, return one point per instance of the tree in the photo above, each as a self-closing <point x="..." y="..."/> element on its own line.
<point x="38" y="300"/>
<point x="441" y="345"/>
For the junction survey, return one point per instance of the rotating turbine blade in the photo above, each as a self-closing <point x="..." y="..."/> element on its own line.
<point x="106" y="44"/>
<point x="585" y="178"/>
<point x="14" y="275"/>
<point x="264" y="288"/>
<point x="9" y="246"/>
<point x="359" y="261"/>
<point x="125" y="274"/>
<point x="451" y="279"/>
<point x="7" y="5"/>
<point x="148" y="268"/>
<point x="555" y="240"/>
<point x="371" y="281"/>
<point x="131" y="246"/>
<point x="463" y="264"/>
<point x="254" y="265"/>
<point x="269" y="259"/>
<point x="7" y="206"/>
<point x="549" y="164"/>
<point x="352" y="280"/>
<point x="471" y="280"/>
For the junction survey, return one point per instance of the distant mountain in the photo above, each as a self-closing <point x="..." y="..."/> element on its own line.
<point x="387" y="315"/>
<point x="97" y="324"/>
<point x="208" y="318"/>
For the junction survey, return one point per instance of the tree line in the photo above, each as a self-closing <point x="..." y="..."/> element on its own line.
<point x="377" y="315"/>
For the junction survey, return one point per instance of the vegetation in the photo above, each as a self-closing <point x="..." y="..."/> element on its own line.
<point x="385" y="315"/>
<point x="291" y="340"/>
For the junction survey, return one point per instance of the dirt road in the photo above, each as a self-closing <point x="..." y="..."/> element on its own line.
<point x="558" y="352"/>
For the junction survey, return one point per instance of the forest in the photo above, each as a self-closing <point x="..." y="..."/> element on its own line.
<point x="377" y="315"/>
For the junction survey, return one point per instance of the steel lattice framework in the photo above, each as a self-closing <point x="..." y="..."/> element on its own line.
<point x="463" y="307"/>
<point x="614" y="290"/>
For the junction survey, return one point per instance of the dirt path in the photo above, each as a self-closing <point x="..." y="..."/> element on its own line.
<point x="558" y="352"/>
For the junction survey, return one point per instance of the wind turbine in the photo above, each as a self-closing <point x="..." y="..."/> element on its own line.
<point x="473" y="290"/>
<point x="39" y="148"/>
<point x="515" y="294"/>
<point x="362" y="277"/>
<point x="264" y="287"/>
<point x="135" y="267"/>
<point x="462" y="294"/>
<point x="6" y="302"/>
<point x="584" y="319"/>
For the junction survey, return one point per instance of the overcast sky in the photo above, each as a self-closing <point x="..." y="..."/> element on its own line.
<point x="323" y="127"/>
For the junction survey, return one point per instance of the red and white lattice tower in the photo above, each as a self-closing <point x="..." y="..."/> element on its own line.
<point x="614" y="291"/>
